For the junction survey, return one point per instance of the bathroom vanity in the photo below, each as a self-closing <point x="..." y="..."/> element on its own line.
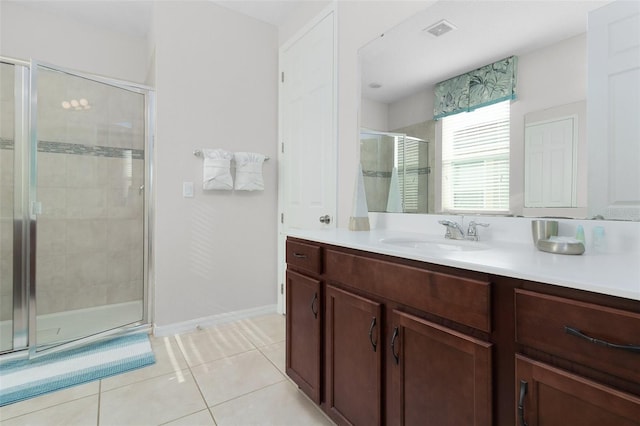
<point x="379" y="332"/>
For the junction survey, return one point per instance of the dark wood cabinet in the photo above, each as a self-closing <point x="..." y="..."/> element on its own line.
<point x="353" y="358"/>
<point x="375" y="339"/>
<point x="592" y="339"/>
<point x="303" y="346"/>
<point x="439" y="376"/>
<point x="553" y="397"/>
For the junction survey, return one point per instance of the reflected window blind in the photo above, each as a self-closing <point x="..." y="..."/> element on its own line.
<point x="475" y="160"/>
<point x="408" y="155"/>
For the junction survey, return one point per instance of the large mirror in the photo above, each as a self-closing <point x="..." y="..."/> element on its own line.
<point x="400" y="69"/>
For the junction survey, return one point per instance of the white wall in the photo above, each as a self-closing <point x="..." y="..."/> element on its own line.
<point x="374" y="115"/>
<point x="216" y="80"/>
<point x="304" y="12"/>
<point x="411" y="110"/>
<point x="27" y="31"/>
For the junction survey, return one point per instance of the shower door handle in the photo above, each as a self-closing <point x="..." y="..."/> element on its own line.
<point x="141" y="189"/>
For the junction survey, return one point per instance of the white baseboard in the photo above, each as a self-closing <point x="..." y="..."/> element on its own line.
<point x="194" y="324"/>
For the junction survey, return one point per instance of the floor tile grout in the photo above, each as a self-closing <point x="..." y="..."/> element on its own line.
<point x="195" y="380"/>
<point x="246" y="335"/>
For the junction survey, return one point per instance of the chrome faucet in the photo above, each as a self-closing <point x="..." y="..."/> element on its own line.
<point x="455" y="232"/>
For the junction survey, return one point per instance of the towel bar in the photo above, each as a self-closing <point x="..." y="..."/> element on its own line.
<point x="198" y="153"/>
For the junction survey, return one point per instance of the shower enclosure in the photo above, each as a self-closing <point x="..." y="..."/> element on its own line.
<point x="74" y="239"/>
<point x="384" y="153"/>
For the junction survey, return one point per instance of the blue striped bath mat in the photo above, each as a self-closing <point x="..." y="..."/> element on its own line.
<point x="23" y="379"/>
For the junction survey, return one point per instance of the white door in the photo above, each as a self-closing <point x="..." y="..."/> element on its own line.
<point x="613" y="111"/>
<point x="549" y="169"/>
<point x="307" y="155"/>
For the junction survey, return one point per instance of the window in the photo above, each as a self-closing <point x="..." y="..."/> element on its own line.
<point x="475" y="160"/>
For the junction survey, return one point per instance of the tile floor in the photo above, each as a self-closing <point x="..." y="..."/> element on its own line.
<point x="231" y="374"/>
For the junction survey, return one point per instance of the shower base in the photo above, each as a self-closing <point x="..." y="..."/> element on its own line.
<point x="62" y="327"/>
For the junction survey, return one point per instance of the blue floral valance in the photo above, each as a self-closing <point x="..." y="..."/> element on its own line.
<point x="481" y="87"/>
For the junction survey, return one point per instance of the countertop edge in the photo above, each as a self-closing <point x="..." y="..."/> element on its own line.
<point x="608" y="274"/>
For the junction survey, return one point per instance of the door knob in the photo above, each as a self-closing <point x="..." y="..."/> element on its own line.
<point x="326" y="219"/>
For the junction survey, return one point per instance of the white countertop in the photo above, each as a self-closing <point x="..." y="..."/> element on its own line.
<point x="615" y="274"/>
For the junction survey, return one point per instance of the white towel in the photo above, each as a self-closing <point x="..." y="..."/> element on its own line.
<point x="216" y="172"/>
<point x="394" y="202"/>
<point x="249" y="171"/>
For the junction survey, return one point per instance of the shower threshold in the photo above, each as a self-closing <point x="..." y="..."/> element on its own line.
<point x="65" y="326"/>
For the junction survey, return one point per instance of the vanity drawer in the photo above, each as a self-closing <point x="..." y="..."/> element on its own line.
<point x="592" y="335"/>
<point x="460" y="299"/>
<point x="304" y="256"/>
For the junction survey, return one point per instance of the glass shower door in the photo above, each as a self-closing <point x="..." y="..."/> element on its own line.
<point x="7" y="144"/>
<point x="88" y="152"/>
<point x="13" y="141"/>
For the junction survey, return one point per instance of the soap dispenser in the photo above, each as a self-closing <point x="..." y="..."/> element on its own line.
<point x="580" y="234"/>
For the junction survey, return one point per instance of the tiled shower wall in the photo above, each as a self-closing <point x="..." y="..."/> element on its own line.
<point x="90" y="232"/>
<point x="376" y="157"/>
<point x="90" y="172"/>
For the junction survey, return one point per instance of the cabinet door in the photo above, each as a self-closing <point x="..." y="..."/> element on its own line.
<point x="353" y="358"/>
<point x="439" y="376"/>
<point x="548" y="396"/>
<point x="304" y="315"/>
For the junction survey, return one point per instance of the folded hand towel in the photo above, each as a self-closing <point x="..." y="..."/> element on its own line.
<point x="249" y="171"/>
<point x="217" y="169"/>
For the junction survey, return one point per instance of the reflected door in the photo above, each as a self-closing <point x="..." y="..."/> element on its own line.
<point x="88" y="152"/>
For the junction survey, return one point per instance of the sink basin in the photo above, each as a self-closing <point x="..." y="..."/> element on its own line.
<point x="429" y="244"/>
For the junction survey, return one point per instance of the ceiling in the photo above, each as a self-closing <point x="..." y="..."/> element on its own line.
<point x="407" y="59"/>
<point x="135" y="16"/>
<point x="129" y="17"/>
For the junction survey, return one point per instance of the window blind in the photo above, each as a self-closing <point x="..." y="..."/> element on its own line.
<point x="408" y="155"/>
<point x="475" y="160"/>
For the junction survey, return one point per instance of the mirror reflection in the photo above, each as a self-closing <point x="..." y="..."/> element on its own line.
<point x="396" y="170"/>
<point x="400" y="74"/>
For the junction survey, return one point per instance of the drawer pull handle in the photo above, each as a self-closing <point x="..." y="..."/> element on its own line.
<point x="373" y="324"/>
<point x="299" y="255"/>
<point x="523" y="392"/>
<point x="577" y="333"/>
<point x="314" y="309"/>
<point x="393" y="345"/>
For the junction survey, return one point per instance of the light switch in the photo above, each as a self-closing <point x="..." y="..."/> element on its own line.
<point x="187" y="189"/>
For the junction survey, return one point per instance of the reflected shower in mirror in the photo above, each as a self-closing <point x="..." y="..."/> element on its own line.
<point x="396" y="170"/>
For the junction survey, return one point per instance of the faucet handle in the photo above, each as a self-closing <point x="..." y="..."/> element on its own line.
<point x="473" y="223"/>
<point x="472" y="231"/>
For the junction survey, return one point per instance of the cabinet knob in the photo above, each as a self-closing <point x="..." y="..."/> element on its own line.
<point x="326" y="219"/>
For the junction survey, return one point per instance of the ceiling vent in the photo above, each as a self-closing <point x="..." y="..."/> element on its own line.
<point x="440" y="28"/>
